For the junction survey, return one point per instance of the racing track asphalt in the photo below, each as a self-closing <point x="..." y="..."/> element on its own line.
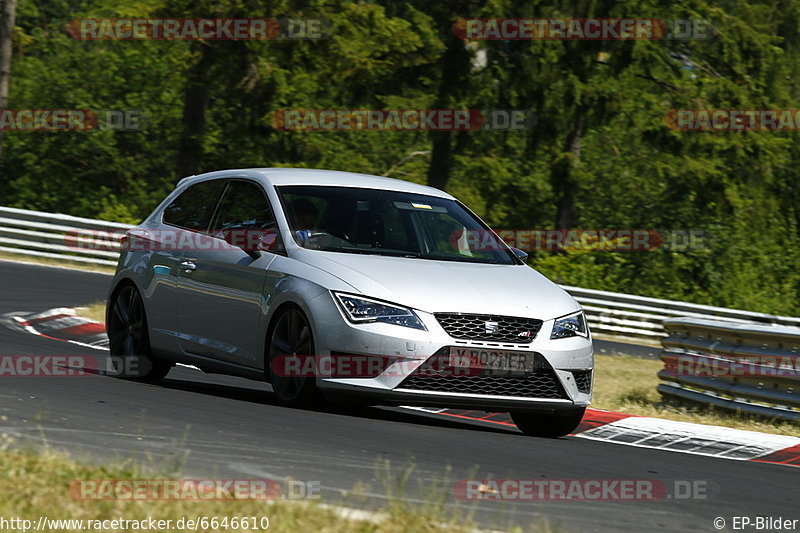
<point x="217" y="426"/>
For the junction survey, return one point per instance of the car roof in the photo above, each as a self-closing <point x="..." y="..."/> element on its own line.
<point x="306" y="176"/>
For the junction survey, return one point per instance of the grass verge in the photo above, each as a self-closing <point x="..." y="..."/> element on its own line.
<point x="628" y="384"/>
<point x="35" y="484"/>
<point x="95" y="312"/>
<point x="63" y="263"/>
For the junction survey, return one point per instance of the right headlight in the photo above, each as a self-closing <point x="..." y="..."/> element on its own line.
<point x="363" y="309"/>
<point x="572" y="325"/>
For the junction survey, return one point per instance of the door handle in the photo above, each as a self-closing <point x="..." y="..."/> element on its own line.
<point x="188" y="266"/>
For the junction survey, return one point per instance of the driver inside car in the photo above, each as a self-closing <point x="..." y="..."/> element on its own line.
<point x="305" y="215"/>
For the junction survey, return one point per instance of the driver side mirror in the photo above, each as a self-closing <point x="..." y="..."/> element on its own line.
<point x="270" y="241"/>
<point x="248" y="241"/>
<point x="521" y="254"/>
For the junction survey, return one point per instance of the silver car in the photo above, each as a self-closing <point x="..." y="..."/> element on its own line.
<point x="335" y="286"/>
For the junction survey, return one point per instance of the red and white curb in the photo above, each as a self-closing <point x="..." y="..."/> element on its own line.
<point x="65" y="324"/>
<point x="660" y="434"/>
<point x="61" y="324"/>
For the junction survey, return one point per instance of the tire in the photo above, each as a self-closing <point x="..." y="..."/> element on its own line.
<point x="548" y="425"/>
<point x="129" y="338"/>
<point x="291" y="335"/>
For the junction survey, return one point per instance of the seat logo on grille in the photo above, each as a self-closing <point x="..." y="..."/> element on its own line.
<point x="491" y="327"/>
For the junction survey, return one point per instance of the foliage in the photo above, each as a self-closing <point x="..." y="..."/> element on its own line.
<point x="599" y="156"/>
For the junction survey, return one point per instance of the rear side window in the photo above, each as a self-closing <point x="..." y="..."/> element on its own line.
<point x="193" y="208"/>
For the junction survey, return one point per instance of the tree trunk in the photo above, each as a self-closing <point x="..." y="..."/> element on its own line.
<point x="195" y="103"/>
<point x="456" y="66"/>
<point x="563" y="174"/>
<point x="441" y="159"/>
<point x="6" y="47"/>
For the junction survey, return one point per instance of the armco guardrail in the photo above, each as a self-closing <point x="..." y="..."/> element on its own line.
<point x="56" y="236"/>
<point x="609" y="313"/>
<point x="627" y="315"/>
<point x="748" y="367"/>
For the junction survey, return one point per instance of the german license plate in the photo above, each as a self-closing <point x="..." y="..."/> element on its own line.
<point x="495" y="360"/>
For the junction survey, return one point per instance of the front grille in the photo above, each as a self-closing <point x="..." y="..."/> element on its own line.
<point x="475" y="327"/>
<point x="583" y="379"/>
<point x="538" y="385"/>
<point x="432" y="377"/>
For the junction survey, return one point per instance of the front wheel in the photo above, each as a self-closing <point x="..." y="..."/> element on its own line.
<point x="290" y="337"/>
<point x="129" y="341"/>
<point x="549" y="425"/>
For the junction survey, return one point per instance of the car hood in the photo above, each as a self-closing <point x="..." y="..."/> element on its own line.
<point x="447" y="286"/>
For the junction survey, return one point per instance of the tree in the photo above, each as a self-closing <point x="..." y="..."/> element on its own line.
<point x="6" y="47"/>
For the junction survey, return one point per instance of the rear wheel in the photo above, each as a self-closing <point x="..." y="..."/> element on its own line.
<point x="548" y="425"/>
<point x="129" y="341"/>
<point x="291" y="337"/>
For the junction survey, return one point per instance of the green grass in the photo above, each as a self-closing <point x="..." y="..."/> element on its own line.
<point x="628" y="384"/>
<point x="95" y="311"/>
<point x="36" y="483"/>
<point x="64" y="263"/>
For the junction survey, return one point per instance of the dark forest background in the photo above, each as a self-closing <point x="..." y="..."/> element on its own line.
<point x="599" y="156"/>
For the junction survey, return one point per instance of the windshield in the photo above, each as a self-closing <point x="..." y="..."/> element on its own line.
<point x="372" y="221"/>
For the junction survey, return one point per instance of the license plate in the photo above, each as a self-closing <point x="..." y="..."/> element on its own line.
<point x="494" y="360"/>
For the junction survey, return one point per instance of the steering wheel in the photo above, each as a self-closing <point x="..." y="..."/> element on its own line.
<point x="320" y="239"/>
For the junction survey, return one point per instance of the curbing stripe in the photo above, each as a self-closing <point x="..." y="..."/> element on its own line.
<point x="788" y="456"/>
<point x="685" y="437"/>
<point x="52" y="325"/>
<point x="595" y="418"/>
<point x="669" y="435"/>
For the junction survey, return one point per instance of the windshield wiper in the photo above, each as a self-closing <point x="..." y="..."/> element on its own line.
<point x="372" y="251"/>
<point x="462" y="259"/>
<point x="412" y="255"/>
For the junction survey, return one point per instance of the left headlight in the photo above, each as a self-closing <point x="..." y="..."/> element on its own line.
<point x="573" y="325"/>
<point x="360" y="309"/>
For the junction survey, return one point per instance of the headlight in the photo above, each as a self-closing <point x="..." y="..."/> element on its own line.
<point x="360" y="309"/>
<point x="573" y="325"/>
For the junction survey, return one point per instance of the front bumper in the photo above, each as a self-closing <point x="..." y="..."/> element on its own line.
<point x="411" y="348"/>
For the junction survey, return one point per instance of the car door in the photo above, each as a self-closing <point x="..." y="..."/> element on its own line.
<point x="221" y="286"/>
<point x="186" y="216"/>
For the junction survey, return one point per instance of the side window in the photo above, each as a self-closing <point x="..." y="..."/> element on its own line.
<point x="245" y="219"/>
<point x="193" y="208"/>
